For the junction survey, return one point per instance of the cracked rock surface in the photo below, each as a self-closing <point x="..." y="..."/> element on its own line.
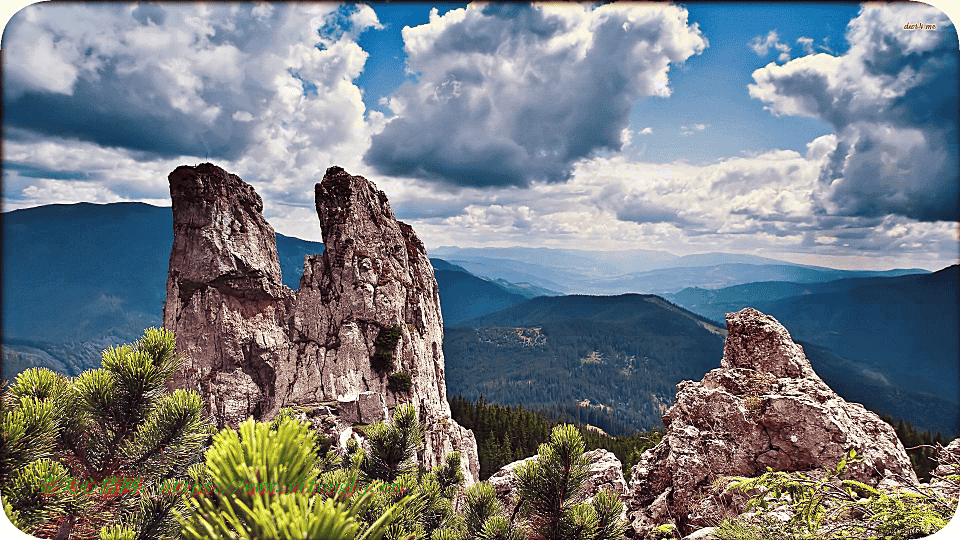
<point x="251" y="345"/>
<point x="763" y="407"/>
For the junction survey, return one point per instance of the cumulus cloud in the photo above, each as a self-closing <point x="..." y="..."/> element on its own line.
<point x="892" y="98"/>
<point x="516" y="94"/>
<point x="645" y="131"/>
<point x="762" y="45"/>
<point x="129" y="92"/>
<point x="181" y="79"/>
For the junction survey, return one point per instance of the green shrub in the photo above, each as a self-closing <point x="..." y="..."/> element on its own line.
<point x="837" y="509"/>
<point x="283" y="460"/>
<point x="400" y="382"/>
<point x="89" y="452"/>
<point x="386" y="342"/>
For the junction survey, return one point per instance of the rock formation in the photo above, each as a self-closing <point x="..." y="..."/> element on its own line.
<point x="367" y="308"/>
<point x="606" y="473"/>
<point x="763" y="407"/>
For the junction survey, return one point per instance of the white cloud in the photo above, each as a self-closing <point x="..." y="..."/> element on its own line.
<point x="762" y="45"/>
<point x="266" y="91"/>
<point x="186" y="79"/>
<point x="888" y="97"/>
<point x="806" y="43"/>
<point x="645" y="131"/>
<point x="764" y="204"/>
<point x="514" y="94"/>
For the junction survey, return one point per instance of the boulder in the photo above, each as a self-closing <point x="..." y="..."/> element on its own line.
<point x="372" y="407"/>
<point x="763" y="407"/>
<point x="368" y="306"/>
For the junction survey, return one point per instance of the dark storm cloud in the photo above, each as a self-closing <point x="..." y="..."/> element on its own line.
<point x="510" y="95"/>
<point x="106" y="115"/>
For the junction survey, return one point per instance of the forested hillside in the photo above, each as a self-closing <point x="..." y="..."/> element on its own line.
<point x="612" y="362"/>
<point x="506" y="434"/>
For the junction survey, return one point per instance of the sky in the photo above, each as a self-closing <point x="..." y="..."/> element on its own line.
<point x="816" y="133"/>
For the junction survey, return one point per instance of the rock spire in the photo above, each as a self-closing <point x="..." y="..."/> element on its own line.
<point x="763" y="407"/>
<point x="366" y="309"/>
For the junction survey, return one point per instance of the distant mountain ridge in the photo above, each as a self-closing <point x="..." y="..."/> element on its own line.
<point x="573" y="271"/>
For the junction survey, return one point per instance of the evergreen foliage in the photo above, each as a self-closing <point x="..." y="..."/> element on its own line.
<point x="836" y="508"/>
<point x="920" y="446"/>
<point x="550" y="493"/>
<point x="550" y="502"/>
<point x="393" y="447"/>
<point x="259" y="483"/>
<point x="83" y="456"/>
<point x="399" y="382"/>
<point x="509" y="433"/>
<point x="386" y="342"/>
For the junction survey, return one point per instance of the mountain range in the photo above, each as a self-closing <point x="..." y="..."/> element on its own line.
<point x="587" y="352"/>
<point x="575" y="271"/>
<point x="79" y="278"/>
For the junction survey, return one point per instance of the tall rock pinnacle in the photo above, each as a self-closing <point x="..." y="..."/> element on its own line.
<point x="252" y="345"/>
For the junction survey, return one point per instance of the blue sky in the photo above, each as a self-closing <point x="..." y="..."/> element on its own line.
<point x="818" y="133"/>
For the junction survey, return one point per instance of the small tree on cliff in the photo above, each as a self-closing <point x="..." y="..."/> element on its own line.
<point x="83" y="456"/>
<point x="393" y="447"/>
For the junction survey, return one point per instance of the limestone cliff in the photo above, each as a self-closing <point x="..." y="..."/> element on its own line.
<point x="367" y="308"/>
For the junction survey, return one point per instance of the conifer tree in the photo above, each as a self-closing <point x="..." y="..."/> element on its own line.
<point x="393" y="447"/>
<point x="262" y="483"/>
<point x="85" y="455"/>
<point x="551" y="498"/>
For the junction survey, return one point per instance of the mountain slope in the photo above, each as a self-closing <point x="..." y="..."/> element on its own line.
<point x="559" y="351"/>
<point x="907" y="326"/>
<point x="617" y="358"/>
<point x="463" y="295"/>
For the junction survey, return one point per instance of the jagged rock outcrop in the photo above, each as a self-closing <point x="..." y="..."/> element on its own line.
<point x="606" y="473"/>
<point x="763" y="407"/>
<point x="252" y="345"/>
